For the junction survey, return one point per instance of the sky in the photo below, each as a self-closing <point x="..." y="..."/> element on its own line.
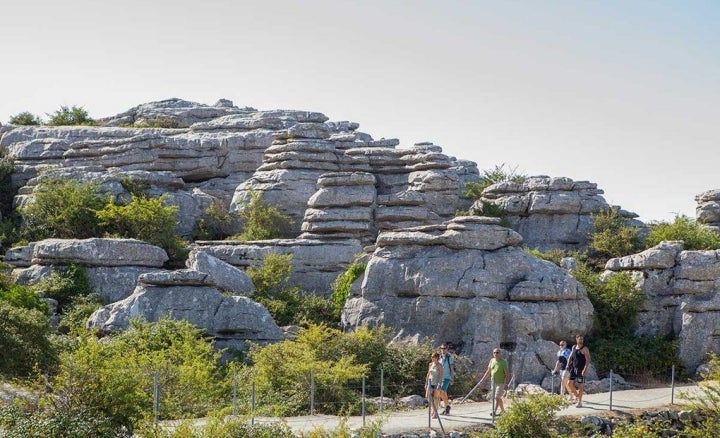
<point x="622" y="93"/>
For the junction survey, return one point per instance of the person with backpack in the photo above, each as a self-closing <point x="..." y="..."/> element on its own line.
<point x="448" y="363"/>
<point x="563" y="354"/>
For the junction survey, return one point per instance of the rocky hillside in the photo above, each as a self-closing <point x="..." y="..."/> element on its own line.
<point x="430" y="274"/>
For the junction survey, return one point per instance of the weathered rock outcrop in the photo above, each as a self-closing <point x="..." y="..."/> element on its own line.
<point x="112" y="265"/>
<point x="550" y="213"/>
<point x="683" y="296"/>
<point x="188" y="295"/>
<point x="708" y="209"/>
<point x="467" y="281"/>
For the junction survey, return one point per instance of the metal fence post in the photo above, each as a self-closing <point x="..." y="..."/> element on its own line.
<point x="492" y="395"/>
<point x="611" y="388"/>
<point x="672" y="385"/>
<point x="252" y="404"/>
<point x="312" y="392"/>
<point x="382" y="376"/>
<point x="552" y="383"/>
<point x="363" y="400"/>
<point x="235" y="391"/>
<point x="156" y="397"/>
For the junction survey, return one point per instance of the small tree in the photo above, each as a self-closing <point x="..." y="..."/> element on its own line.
<point x="262" y="221"/>
<point x="474" y="189"/>
<point x="25" y="118"/>
<point x="693" y="235"/>
<point x="24" y="341"/>
<point x="63" y="208"/>
<point x="70" y="116"/>
<point x="342" y="284"/>
<point x="612" y="235"/>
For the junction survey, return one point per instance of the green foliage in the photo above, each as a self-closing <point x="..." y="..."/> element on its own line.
<point x="65" y="283"/>
<point x="490" y="209"/>
<point x="160" y="122"/>
<point x="134" y="186"/>
<point x="262" y="221"/>
<point x="708" y="402"/>
<point x="532" y="416"/>
<point x="146" y="219"/>
<point x="405" y="368"/>
<point x="215" y="223"/>
<point x="25" y="118"/>
<point x="271" y="274"/>
<point x="615" y="298"/>
<point x="20" y="296"/>
<point x="474" y="189"/>
<point x="24" y="341"/>
<point x="283" y="374"/>
<point x="620" y="354"/>
<point x="693" y="235"/>
<point x="7" y="190"/>
<point x="612" y="235"/>
<point x="77" y="311"/>
<point x="218" y="428"/>
<point x="51" y="420"/>
<point x="65" y="116"/>
<point x="342" y="284"/>
<point x="116" y="375"/>
<point x="65" y="209"/>
<point x="554" y="255"/>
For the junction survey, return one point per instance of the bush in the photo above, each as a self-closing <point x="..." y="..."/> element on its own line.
<point x="25" y="118"/>
<point x="262" y="221"/>
<point x="70" y="116"/>
<point x="218" y="428"/>
<point x="20" y="296"/>
<point x="52" y="421"/>
<point x="620" y="354"/>
<point x="64" y="209"/>
<point x="283" y="374"/>
<point x="215" y="223"/>
<point x="612" y="235"/>
<point x="7" y="190"/>
<point x="693" y="235"/>
<point x="65" y="283"/>
<point x="146" y="219"/>
<point x="532" y="416"/>
<point x="341" y="287"/>
<point x="24" y="341"/>
<point x="115" y="375"/>
<point x="474" y="189"/>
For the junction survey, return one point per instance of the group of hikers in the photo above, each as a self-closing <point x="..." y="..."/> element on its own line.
<point x="572" y="364"/>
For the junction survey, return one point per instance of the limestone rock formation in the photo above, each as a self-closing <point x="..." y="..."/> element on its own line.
<point x="682" y="291"/>
<point x="112" y="265"/>
<point x="188" y="295"/>
<point x="550" y="213"/>
<point x="708" y="209"/>
<point x="467" y="281"/>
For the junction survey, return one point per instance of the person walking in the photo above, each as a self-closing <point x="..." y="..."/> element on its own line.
<point x="563" y="354"/>
<point x="578" y="363"/>
<point x="499" y="371"/>
<point x="448" y="364"/>
<point x="432" y="381"/>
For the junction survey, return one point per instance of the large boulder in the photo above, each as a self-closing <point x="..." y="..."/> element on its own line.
<point x="189" y="295"/>
<point x="467" y="281"/>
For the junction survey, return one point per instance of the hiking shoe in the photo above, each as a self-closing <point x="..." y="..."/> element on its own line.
<point x="579" y="404"/>
<point x="447" y="410"/>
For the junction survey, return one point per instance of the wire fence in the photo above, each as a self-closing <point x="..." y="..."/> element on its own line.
<point x="370" y="396"/>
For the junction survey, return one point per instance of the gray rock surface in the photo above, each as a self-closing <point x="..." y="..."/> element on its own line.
<point x="550" y="213"/>
<point x="189" y="295"/>
<point x="467" y="281"/>
<point x="707" y="211"/>
<point x="682" y="290"/>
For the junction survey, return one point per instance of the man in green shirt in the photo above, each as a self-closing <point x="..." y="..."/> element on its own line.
<point x="499" y="370"/>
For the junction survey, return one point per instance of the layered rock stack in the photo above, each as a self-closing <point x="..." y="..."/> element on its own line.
<point x="708" y="209"/>
<point x="468" y="281"/>
<point x="550" y="213"/>
<point x="682" y="296"/>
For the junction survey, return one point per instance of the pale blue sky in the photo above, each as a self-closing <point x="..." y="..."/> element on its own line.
<point x="622" y="93"/>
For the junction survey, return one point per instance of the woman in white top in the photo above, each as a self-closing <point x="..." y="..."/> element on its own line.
<point x="432" y="381"/>
<point x="563" y="354"/>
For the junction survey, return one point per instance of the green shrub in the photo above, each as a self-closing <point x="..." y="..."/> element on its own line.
<point x="262" y="221"/>
<point x="49" y="420"/>
<point x="620" y="354"/>
<point x="160" y="122"/>
<point x="283" y="374"/>
<point x="77" y="311"/>
<point x="271" y="274"/>
<point x="7" y="190"/>
<point x="25" y="118"/>
<point x="218" y="428"/>
<point x="215" y="223"/>
<point x="490" y="209"/>
<point x="693" y="235"/>
<point x="24" y="341"/>
<point x="116" y="375"/>
<point x="20" y="296"/>
<point x="616" y="300"/>
<point x="65" y="116"/>
<point x="65" y="283"/>
<point x="342" y="284"/>
<point x="405" y="368"/>
<point x="612" y="235"/>
<point x="63" y="209"/>
<point x="532" y="416"/>
<point x="474" y="189"/>
<point x="554" y="255"/>
<point x="146" y="219"/>
<point x="135" y="187"/>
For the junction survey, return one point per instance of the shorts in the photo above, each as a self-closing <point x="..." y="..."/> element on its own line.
<point x="498" y="390"/>
<point x="444" y="385"/>
<point x="564" y="374"/>
<point x="577" y="377"/>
